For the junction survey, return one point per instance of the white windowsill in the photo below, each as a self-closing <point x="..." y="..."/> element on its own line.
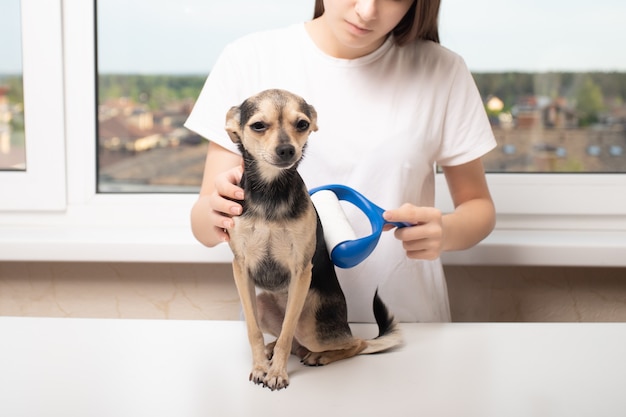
<point x="164" y="236"/>
<point x="80" y="244"/>
<point x="545" y="248"/>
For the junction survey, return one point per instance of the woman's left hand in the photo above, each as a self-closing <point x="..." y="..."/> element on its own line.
<point x="424" y="240"/>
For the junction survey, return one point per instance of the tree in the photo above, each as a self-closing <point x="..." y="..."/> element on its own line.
<point x="589" y="101"/>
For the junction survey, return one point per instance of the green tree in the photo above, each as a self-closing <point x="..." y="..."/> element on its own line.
<point x="589" y="101"/>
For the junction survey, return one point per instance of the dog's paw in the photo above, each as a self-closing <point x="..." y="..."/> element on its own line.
<point x="276" y="382"/>
<point x="276" y="379"/>
<point x="315" y="359"/>
<point x="269" y="350"/>
<point x="301" y="352"/>
<point x="258" y="374"/>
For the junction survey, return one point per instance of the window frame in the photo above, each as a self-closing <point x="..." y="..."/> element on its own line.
<point x="543" y="219"/>
<point x="42" y="185"/>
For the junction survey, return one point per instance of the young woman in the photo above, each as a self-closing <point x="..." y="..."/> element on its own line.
<point x="391" y="103"/>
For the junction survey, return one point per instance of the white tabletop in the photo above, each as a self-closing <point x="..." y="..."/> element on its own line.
<point x="118" y="368"/>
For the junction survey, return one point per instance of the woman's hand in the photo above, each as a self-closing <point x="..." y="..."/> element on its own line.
<point x="471" y="221"/>
<point x="221" y="200"/>
<point x="211" y="215"/>
<point x="424" y="240"/>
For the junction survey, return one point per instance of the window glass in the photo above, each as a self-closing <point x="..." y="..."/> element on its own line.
<point x="553" y="79"/>
<point x="555" y="94"/>
<point x="12" y="138"/>
<point x="153" y="57"/>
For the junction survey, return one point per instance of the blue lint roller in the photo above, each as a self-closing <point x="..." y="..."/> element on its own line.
<point x="346" y="250"/>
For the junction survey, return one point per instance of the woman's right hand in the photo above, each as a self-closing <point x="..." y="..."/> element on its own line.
<point x="221" y="199"/>
<point x="211" y="215"/>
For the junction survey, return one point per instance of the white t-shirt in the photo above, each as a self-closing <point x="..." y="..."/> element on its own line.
<point x="384" y="120"/>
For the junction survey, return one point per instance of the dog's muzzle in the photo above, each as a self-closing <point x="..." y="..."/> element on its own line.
<point x="286" y="155"/>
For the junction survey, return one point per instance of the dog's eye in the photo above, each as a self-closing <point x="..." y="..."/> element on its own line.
<point x="258" y="127"/>
<point x="302" y="125"/>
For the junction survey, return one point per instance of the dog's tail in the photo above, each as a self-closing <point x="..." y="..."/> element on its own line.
<point x="389" y="334"/>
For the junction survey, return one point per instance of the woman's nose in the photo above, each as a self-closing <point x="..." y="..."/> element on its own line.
<point x="366" y="9"/>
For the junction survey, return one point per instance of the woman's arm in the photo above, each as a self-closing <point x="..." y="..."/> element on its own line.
<point x="211" y="213"/>
<point x="471" y="221"/>
<point x="474" y="215"/>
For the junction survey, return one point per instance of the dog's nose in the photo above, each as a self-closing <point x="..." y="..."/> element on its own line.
<point x="285" y="152"/>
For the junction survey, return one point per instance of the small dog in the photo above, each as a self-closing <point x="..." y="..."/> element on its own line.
<point x="278" y="246"/>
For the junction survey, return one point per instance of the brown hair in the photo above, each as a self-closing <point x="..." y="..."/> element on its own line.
<point x="420" y="22"/>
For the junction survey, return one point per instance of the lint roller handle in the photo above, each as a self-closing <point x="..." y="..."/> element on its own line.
<point x="352" y="252"/>
<point x="371" y="210"/>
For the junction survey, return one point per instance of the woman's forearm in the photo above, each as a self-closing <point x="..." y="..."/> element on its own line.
<point x="468" y="224"/>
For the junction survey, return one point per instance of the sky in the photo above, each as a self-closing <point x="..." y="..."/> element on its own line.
<point x="186" y="36"/>
<point x="10" y="37"/>
<point x="536" y="35"/>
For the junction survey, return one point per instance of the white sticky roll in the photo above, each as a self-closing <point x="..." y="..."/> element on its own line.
<point x="336" y="226"/>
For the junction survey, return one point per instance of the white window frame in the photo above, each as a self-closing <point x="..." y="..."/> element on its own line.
<point x="543" y="219"/>
<point x="42" y="184"/>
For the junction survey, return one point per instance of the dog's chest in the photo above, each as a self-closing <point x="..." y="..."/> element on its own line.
<point x="273" y="252"/>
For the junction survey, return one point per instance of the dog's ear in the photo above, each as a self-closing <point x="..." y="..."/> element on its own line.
<point x="233" y="127"/>
<point x="313" y="114"/>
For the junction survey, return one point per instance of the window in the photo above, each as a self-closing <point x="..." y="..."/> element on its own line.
<point x="12" y="148"/>
<point x="70" y="204"/>
<point x="32" y="175"/>
<point x="555" y="94"/>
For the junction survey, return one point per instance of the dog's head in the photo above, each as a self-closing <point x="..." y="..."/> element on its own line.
<point x="273" y="127"/>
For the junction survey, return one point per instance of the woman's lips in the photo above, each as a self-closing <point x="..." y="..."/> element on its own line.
<point x="358" y="30"/>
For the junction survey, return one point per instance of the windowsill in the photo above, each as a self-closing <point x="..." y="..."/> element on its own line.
<point x="97" y="244"/>
<point x="546" y="248"/>
<point x="173" y="242"/>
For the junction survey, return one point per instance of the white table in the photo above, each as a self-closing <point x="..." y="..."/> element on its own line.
<point x="119" y="368"/>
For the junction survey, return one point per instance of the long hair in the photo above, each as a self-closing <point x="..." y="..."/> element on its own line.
<point x="420" y="22"/>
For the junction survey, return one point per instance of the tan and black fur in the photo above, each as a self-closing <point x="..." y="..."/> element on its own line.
<point x="278" y="247"/>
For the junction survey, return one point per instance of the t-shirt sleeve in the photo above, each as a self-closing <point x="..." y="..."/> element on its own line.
<point x="466" y="133"/>
<point x="219" y="93"/>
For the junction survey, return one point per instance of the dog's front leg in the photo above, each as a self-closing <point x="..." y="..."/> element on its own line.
<point x="277" y="377"/>
<point x="245" y="288"/>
